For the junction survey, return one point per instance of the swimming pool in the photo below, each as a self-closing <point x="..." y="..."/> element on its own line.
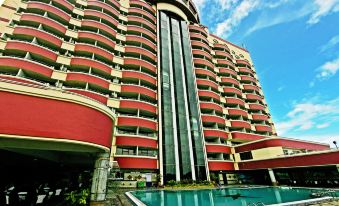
<point x="225" y="196"/>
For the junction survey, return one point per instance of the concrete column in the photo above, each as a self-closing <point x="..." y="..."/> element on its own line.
<point x="98" y="190"/>
<point x="272" y="177"/>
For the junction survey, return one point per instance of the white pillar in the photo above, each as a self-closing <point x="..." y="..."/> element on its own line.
<point x="272" y="177"/>
<point x="99" y="181"/>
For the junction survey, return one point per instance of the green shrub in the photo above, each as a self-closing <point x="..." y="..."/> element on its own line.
<point x="78" y="197"/>
<point x="172" y="183"/>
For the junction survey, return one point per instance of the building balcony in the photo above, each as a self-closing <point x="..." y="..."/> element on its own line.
<point x="218" y="148"/>
<point x="199" y="36"/>
<point x="136" y="104"/>
<point x="141" y="53"/>
<point x="75" y="78"/>
<point x="134" y="121"/>
<point x="139" y="90"/>
<point x="203" y="62"/>
<point x="246" y="70"/>
<point x="136" y="140"/>
<point x="261" y="117"/>
<point x="220" y="165"/>
<point x="243" y="62"/>
<point x="224" y="62"/>
<point x="63" y="5"/>
<point x="200" y="44"/>
<point x="202" y="53"/>
<point x="240" y="124"/>
<point x="210" y="106"/>
<point x="230" y="80"/>
<point x="151" y="26"/>
<point x="212" y="119"/>
<point x="92" y="37"/>
<point x="41" y="8"/>
<point x="52" y="40"/>
<point x="95" y="25"/>
<point x="235" y="101"/>
<point x="263" y="128"/>
<point x="255" y="106"/>
<point x="250" y="87"/>
<point x="101" y="17"/>
<point x="237" y="112"/>
<point x="208" y="83"/>
<point x="129" y="74"/>
<point x="248" y="79"/>
<point x="211" y="94"/>
<point x="131" y="29"/>
<point x="245" y="137"/>
<point x="141" y="40"/>
<point x="227" y="71"/>
<point x="91" y="49"/>
<point x="94" y="95"/>
<point x="197" y="28"/>
<point x="81" y="62"/>
<point x="232" y="90"/>
<point x="205" y="72"/>
<point x="254" y="97"/>
<point x="104" y="6"/>
<point x="136" y="162"/>
<point x="222" y="47"/>
<point x="139" y="63"/>
<point x="215" y="133"/>
<point x="223" y="54"/>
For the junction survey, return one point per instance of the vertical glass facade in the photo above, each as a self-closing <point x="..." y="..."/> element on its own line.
<point x="183" y="157"/>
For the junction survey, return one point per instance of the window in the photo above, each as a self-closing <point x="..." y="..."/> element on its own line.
<point x="246" y="156"/>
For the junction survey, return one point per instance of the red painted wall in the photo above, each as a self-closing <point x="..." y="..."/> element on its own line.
<point x="41" y="117"/>
<point x="136" y="163"/>
<point x="217" y="166"/>
<point x="135" y="141"/>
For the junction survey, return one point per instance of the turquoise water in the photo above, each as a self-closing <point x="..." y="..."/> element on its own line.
<point x="227" y="196"/>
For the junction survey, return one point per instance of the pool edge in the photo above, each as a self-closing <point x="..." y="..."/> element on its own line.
<point x="135" y="200"/>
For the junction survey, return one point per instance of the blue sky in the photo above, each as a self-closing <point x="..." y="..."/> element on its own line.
<point x="295" y="48"/>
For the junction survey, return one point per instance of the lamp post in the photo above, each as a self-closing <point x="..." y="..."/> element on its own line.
<point x="335" y="143"/>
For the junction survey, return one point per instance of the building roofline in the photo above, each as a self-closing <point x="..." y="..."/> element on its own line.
<point x="239" y="47"/>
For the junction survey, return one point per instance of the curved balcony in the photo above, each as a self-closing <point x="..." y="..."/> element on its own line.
<point x="45" y="54"/>
<point x="254" y="97"/>
<point x="243" y="62"/>
<point x="212" y="119"/>
<point x="240" y="136"/>
<point x="255" y="106"/>
<point x="96" y="37"/>
<point x="141" y="51"/>
<point x="131" y="121"/>
<point x="240" y="124"/>
<point x="113" y="3"/>
<point x="135" y="162"/>
<point x="103" y="5"/>
<point x="139" y="39"/>
<point x="87" y="78"/>
<point x="138" y="75"/>
<point x="203" y="62"/>
<point x="139" y="90"/>
<point x="261" y="117"/>
<point x="84" y="62"/>
<point x="197" y="28"/>
<point x="207" y="82"/>
<point x="211" y="106"/>
<point x="142" y="31"/>
<point x="263" y="128"/>
<point x="237" y="112"/>
<point x="134" y="140"/>
<point x="19" y="79"/>
<point x="210" y="148"/>
<point x="232" y="90"/>
<point x="223" y="62"/>
<point x="51" y="24"/>
<point x="26" y="65"/>
<point x="204" y="93"/>
<point x="152" y="26"/>
<point x="200" y="44"/>
<point x="69" y="120"/>
<point x="97" y="14"/>
<point x="205" y="72"/>
<point x="223" y="54"/>
<point x="91" y="49"/>
<point x="39" y="34"/>
<point x="136" y="104"/>
<point x="230" y="80"/>
<point x="227" y="71"/>
<point x="199" y="36"/>
<point x="136" y="63"/>
<point x="50" y="9"/>
<point x="99" y="97"/>
<point x="220" y="165"/>
<point x="248" y="79"/>
<point x="65" y="4"/>
<point x="246" y="70"/>
<point x="94" y="26"/>
<point x="235" y="101"/>
<point x="215" y="133"/>
<point x="250" y="87"/>
<point x="202" y="53"/>
<point x="143" y="13"/>
<point x="142" y="4"/>
<point x="222" y="46"/>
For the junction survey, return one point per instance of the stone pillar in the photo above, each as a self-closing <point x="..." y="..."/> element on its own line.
<point x="272" y="177"/>
<point x="99" y="181"/>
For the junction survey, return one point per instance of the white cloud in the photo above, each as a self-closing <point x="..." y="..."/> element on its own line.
<point x="308" y="115"/>
<point x="240" y="12"/>
<point x="328" y="69"/>
<point x="199" y="3"/>
<point x="322" y="138"/>
<point x="324" y="7"/>
<point x="227" y="4"/>
<point x="330" y="44"/>
<point x="280" y="88"/>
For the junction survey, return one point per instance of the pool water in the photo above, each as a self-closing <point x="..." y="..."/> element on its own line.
<point x="226" y="196"/>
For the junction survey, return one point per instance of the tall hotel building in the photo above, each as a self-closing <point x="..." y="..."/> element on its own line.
<point x="138" y="85"/>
